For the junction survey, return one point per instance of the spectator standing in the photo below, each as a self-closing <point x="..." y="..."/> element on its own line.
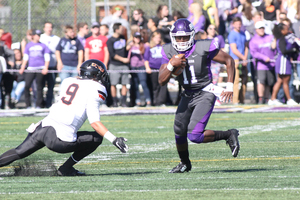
<point x="211" y="12"/>
<point x="283" y="66"/>
<point x="246" y="11"/>
<point x="37" y="55"/>
<point x="118" y="62"/>
<point x="25" y="40"/>
<point x="136" y="55"/>
<point x="139" y="19"/>
<point x="6" y="60"/>
<point x="238" y="51"/>
<point x="153" y="58"/>
<point x="290" y="37"/>
<point x="152" y="27"/>
<point x="51" y="41"/>
<point x="104" y="29"/>
<point x="6" y="37"/>
<point x="177" y="15"/>
<point x="226" y="10"/>
<point x="165" y="21"/>
<point x="270" y="10"/>
<point x="69" y="54"/>
<point x="263" y="49"/>
<point x="83" y="30"/>
<point x="133" y="30"/>
<point x="95" y="46"/>
<point x="116" y="17"/>
<point x="196" y="16"/>
<point x="19" y="80"/>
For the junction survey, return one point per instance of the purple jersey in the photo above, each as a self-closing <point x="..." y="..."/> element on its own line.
<point x="260" y="49"/>
<point x="220" y="40"/>
<point x="285" y="46"/>
<point x="153" y="55"/>
<point x="36" y="53"/>
<point x="197" y="73"/>
<point x="136" y="57"/>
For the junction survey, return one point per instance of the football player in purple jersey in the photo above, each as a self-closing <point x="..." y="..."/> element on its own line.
<point x="198" y="98"/>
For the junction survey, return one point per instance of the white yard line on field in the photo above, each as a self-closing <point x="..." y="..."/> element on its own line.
<point x="268" y="127"/>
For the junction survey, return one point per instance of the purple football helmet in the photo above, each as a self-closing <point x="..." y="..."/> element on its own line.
<point x="182" y="27"/>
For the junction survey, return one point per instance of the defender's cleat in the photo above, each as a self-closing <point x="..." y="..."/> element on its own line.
<point x="181" y="168"/>
<point x="233" y="142"/>
<point x="63" y="171"/>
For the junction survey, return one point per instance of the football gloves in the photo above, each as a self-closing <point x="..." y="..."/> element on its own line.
<point x="119" y="142"/>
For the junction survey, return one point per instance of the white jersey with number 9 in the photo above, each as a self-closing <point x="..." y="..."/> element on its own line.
<point x="79" y="100"/>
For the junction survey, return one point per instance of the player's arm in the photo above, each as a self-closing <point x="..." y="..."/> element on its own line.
<point x="165" y="71"/>
<point x="226" y="59"/>
<point x="119" y="142"/>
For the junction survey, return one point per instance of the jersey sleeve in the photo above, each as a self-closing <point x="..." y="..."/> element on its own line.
<point x="79" y="45"/>
<point x="58" y="47"/>
<point x="46" y="50"/>
<point x="213" y="49"/>
<point x="110" y="47"/>
<point x="164" y="59"/>
<point x="98" y="95"/>
<point x="221" y="42"/>
<point x="147" y="53"/>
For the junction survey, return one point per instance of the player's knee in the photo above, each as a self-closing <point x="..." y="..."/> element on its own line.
<point x="180" y="139"/>
<point x="179" y="128"/>
<point x="98" y="140"/>
<point x="196" y="138"/>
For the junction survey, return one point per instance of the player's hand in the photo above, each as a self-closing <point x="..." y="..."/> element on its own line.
<point x="178" y="61"/>
<point x="119" y="143"/>
<point x="226" y="96"/>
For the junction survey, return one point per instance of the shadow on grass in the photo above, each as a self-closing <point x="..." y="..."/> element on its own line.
<point x="124" y="173"/>
<point x="32" y="168"/>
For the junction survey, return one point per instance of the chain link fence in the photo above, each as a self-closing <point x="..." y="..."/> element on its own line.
<point x="17" y="16"/>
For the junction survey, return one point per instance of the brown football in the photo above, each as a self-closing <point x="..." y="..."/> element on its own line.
<point x="177" y="70"/>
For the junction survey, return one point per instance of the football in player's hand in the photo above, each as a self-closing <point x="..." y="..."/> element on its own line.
<point x="178" y="70"/>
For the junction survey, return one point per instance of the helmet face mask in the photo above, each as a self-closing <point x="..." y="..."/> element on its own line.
<point x="182" y="27"/>
<point x="95" y="70"/>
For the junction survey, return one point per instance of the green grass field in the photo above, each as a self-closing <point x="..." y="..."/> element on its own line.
<point x="267" y="166"/>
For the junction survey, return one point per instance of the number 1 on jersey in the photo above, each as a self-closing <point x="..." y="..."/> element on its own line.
<point x="193" y="76"/>
<point x="71" y="92"/>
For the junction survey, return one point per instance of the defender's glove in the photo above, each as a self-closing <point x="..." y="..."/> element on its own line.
<point x="119" y="143"/>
